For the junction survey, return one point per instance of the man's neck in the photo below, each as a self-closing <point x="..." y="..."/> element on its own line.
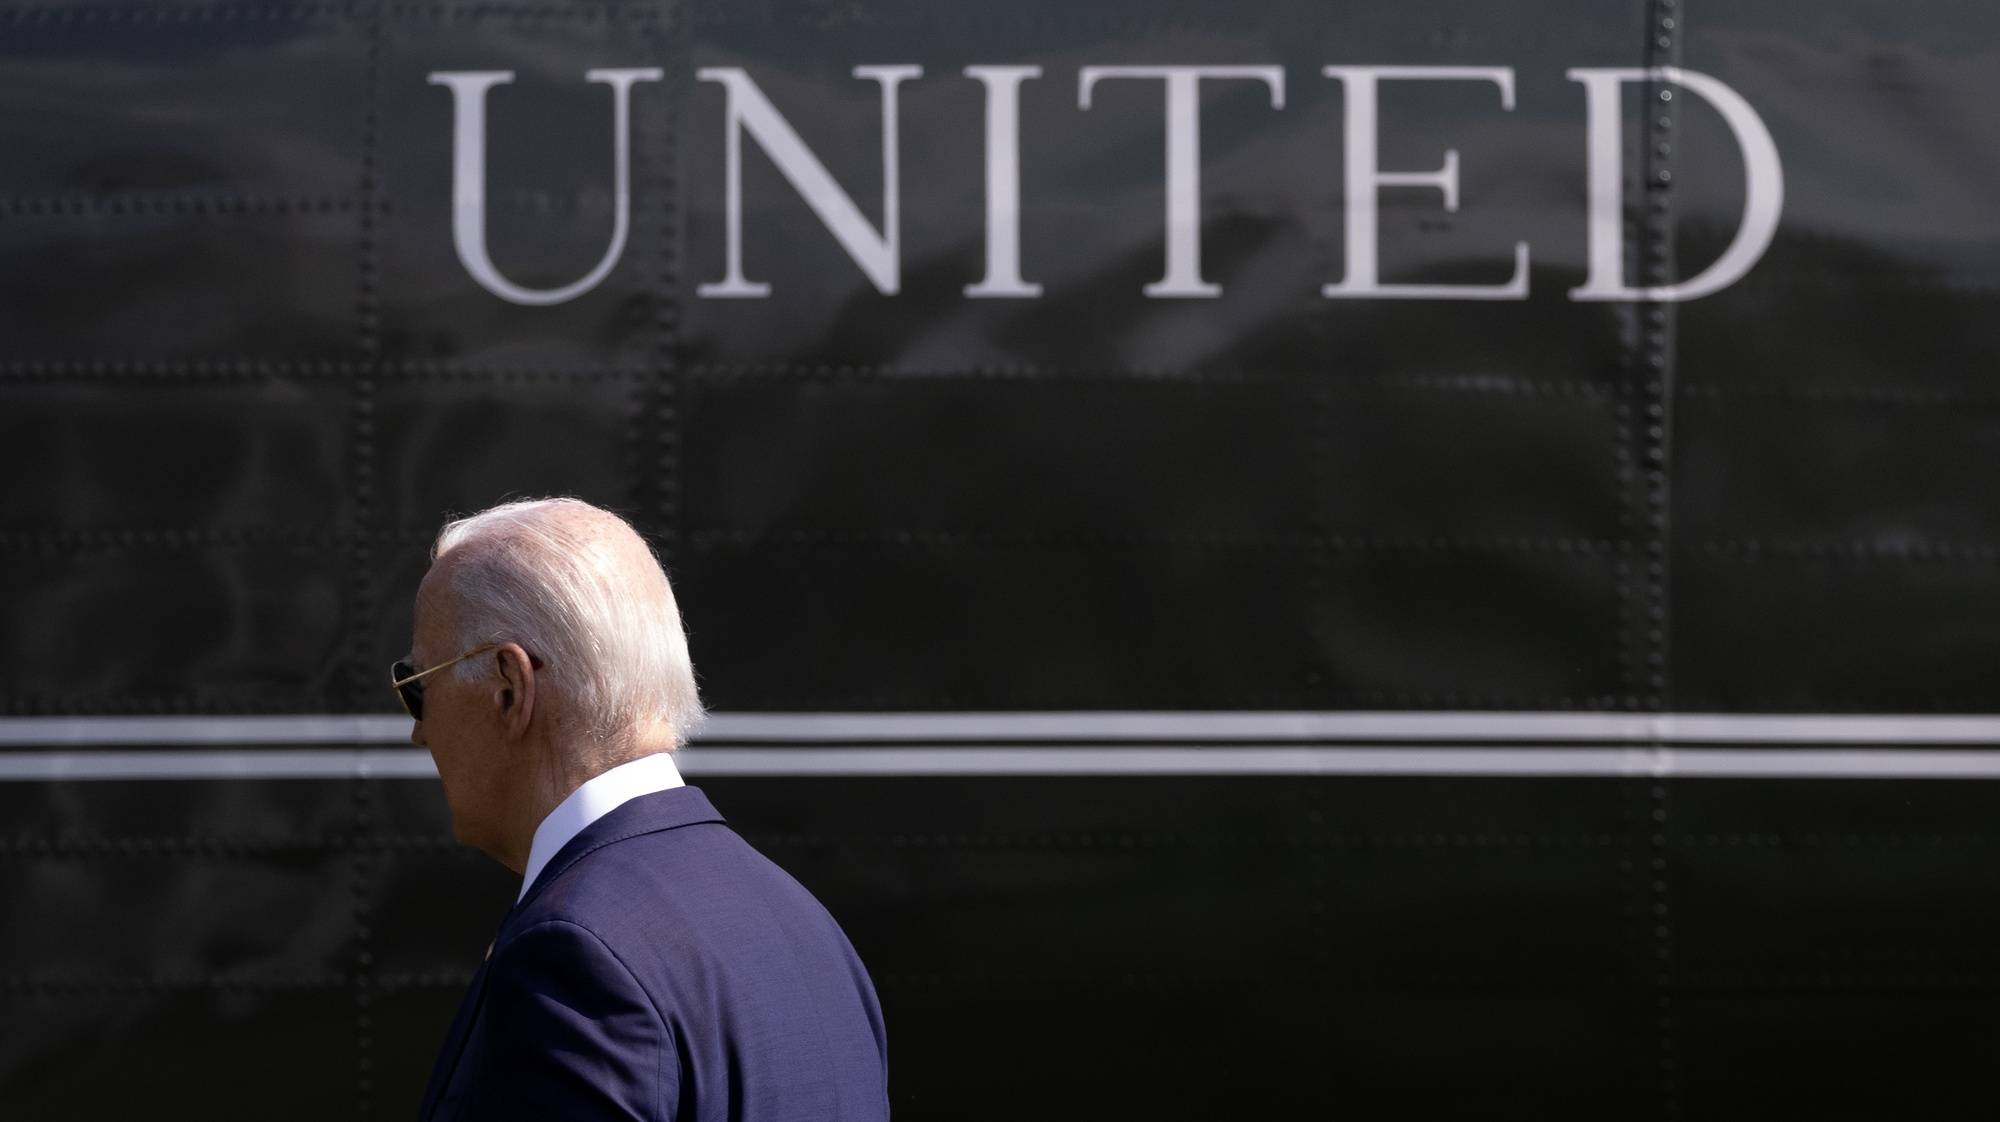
<point x="553" y="778"/>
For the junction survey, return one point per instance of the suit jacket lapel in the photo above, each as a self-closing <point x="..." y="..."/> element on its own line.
<point x="454" y="1041"/>
<point x="661" y="810"/>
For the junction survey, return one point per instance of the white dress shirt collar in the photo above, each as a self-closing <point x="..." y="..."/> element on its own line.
<point x="599" y="796"/>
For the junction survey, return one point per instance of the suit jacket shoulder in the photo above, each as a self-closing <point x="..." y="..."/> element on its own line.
<point x="660" y="967"/>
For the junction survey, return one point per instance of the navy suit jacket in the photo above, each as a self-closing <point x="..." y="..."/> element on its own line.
<point x="659" y="968"/>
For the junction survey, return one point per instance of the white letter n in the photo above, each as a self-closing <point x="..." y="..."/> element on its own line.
<point x="878" y="254"/>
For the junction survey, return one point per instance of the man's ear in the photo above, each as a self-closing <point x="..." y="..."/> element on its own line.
<point x="514" y="693"/>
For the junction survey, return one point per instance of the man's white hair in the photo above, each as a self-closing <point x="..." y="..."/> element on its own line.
<point x="580" y="590"/>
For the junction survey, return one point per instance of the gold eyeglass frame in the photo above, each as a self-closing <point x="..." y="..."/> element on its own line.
<point x="397" y="684"/>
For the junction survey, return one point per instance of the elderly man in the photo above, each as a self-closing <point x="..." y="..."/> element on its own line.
<point x="654" y="966"/>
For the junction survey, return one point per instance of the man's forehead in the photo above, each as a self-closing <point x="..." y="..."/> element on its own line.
<point x="433" y="601"/>
<point x="426" y="594"/>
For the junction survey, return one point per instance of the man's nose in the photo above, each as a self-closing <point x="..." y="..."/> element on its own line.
<point x="417" y="734"/>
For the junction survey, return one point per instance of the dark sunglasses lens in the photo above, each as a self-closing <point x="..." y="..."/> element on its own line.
<point x="411" y="694"/>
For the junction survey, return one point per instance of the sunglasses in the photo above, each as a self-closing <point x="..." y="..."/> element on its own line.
<point x="407" y="681"/>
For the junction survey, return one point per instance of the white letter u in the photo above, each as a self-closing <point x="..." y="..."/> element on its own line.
<point x="468" y="178"/>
